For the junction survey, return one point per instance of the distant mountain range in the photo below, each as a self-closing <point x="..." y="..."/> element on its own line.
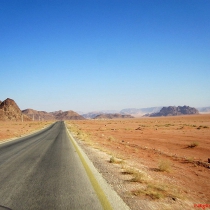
<point x="9" y="110"/>
<point x="130" y="111"/>
<point x="112" y="116"/>
<point x="57" y="115"/>
<point x="137" y="112"/>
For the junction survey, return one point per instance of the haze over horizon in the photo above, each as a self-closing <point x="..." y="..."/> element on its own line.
<point x="105" y="55"/>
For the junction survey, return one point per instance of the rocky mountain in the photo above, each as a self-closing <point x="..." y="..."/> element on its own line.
<point x="57" y="115"/>
<point x="173" y="111"/>
<point x="56" y="112"/>
<point x="112" y="116"/>
<point x="38" y="115"/>
<point x="68" y="115"/>
<point x="9" y="110"/>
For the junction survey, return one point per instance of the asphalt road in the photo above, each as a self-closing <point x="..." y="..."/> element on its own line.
<point x="43" y="171"/>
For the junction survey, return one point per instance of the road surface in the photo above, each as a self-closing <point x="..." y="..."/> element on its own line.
<point x="44" y="171"/>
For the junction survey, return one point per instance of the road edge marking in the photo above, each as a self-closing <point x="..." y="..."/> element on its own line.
<point x="99" y="191"/>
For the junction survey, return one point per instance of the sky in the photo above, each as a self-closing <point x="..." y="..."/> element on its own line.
<point x="96" y="55"/>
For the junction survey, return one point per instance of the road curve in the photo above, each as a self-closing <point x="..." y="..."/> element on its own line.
<point x="44" y="171"/>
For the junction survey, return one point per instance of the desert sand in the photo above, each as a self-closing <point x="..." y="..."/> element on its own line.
<point x="15" y="129"/>
<point x="172" y="151"/>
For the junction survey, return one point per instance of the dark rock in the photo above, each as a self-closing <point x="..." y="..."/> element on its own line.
<point x="174" y="111"/>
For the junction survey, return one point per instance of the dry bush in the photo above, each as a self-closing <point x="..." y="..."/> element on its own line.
<point x="193" y="144"/>
<point x="152" y="191"/>
<point x="138" y="176"/>
<point x="115" y="160"/>
<point x="111" y="138"/>
<point x="164" y="165"/>
<point x="158" y="191"/>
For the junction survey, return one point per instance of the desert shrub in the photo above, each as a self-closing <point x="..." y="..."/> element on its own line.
<point x="152" y="191"/>
<point x="164" y="165"/>
<point x="204" y="126"/>
<point x="110" y="138"/>
<point x="138" y="177"/>
<point x="115" y="160"/>
<point x="112" y="159"/>
<point x="193" y="144"/>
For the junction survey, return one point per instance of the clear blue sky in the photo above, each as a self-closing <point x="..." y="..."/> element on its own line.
<point x="104" y="54"/>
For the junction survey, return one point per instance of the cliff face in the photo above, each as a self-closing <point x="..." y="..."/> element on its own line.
<point x="173" y="111"/>
<point x="9" y="110"/>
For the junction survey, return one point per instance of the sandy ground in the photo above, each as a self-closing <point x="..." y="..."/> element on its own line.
<point x="15" y="129"/>
<point x="168" y="155"/>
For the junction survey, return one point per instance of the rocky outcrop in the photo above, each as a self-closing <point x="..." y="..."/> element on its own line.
<point x="112" y="116"/>
<point x="57" y="115"/>
<point x="174" y="111"/>
<point x="68" y="115"/>
<point x="9" y="110"/>
<point x="38" y="115"/>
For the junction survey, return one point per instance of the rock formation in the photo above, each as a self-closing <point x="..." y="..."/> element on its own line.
<point x="68" y="115"/>
<point x="57" y="115"/>
<point x="173" y="111"/>
<point x="9" y="110"/>
<point x="38" y="115"/>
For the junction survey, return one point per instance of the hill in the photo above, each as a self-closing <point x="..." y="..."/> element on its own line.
<point x="174" y="111"/>
<point x="9" y="110"/>
<point x="57" y="115"/>
<point x="68" y="115"/>
<point x="91" y="115"/>
<point x="129" y="111"/>
<point x="112" y="116"/>
<point x="38" y="115"/>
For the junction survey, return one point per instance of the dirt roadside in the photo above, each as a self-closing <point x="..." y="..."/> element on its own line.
<point x="13" y="129"/>
<point x="155" y="164"/>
